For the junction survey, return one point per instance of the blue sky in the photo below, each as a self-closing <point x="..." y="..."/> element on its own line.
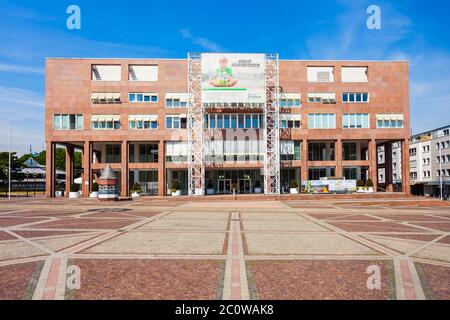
<point x="413" y="30"/>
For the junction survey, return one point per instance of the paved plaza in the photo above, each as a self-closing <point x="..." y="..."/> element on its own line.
<point x="224" y="249"/>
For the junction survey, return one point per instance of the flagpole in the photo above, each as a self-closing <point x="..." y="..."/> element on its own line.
<point x="9" y="164"/>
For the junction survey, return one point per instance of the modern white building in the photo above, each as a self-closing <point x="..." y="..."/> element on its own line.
<point x="429" y="154"/>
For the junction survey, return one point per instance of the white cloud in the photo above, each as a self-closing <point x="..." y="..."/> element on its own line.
<point x="19" y="96"/>
<point x="21" y="69"/>
<point x="201" y="41"/>
<point x="24" y="110"/>
<point x="347" y="37"/>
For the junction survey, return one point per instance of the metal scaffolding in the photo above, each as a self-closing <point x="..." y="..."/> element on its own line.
<point x="271" y="131"/>
<point x="196" y="130"/>
<point x="196" y="169"/>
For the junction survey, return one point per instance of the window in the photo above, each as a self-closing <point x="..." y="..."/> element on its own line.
<point x="105" y="122"/>
<point x="355" y="97"/>
<point x="176" y="122"/>
<point x="290" y="100"/>
<point x="315" y="173"/>
<point x="68" y="122"/>
<point x="241" y="121"/>
<point x="113" y="153"/>
<point x="390" y="121"/>
<point x="142" y="122"/>
<point x="144" y="153"/>
<point x="354" y="74"/>
<point x="176" y="100"/>
<point x="320" y="74"/>
<point x="324" y="97"/>
<point x="290" y="121"/>
<point x="317" y="151"/>
<point x="102" y="72"/>
<point x="413" y="152"/>
<point x="105" y="97"/>
<point x="289" y="150"/>
<point x="380" y="152"/>
<point x="176" y="151"/>
<point x="321" y="121"/>
<point x="350" y="151"/>
<point x="137" y="97"/>
<point x="143" y="73"/>
<point x="355" y="121"/>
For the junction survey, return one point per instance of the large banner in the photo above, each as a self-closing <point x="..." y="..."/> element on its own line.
<point x="233" y="78"/>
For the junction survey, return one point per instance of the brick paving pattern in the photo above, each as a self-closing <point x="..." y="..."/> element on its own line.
<point x="172" y="249"/>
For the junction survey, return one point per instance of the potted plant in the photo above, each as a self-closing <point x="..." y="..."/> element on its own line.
<point x="136" y="190"/>
<point x="176" y="188"/>
<point x="209" y="187"/>
<point x="293" y="187"/>
<point x="258" y="188"/>
<point x="360" y="185"/>
<point x="74" y="188"/>
<point x="369" y="185"/>
<point x="94" y="192"/>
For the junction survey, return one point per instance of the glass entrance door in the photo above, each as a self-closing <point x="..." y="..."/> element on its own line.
<point x="244" y="185"/>
<point x="224" y="186"/>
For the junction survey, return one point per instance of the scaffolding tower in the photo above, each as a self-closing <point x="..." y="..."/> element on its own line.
<point x="271" y="130"/>
<point x="196" y="131"/>
<point x="196" y="169"/>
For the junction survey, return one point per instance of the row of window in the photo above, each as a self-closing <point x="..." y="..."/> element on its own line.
<point x="348" y="74"/>
<point x="68" y="121"/>
<point x="443" y="145"/>
<point x="180" y="100"/>
<point x="142" y="97"/>
<point x="104" y="72"/>
<point x="386" y="124"/>
<point x="443" y="173"/>
<point x="226" y="121"/>
<point x="234" y="121"/>
<point x="427" y="174"/>
<point x="443" y="159"/>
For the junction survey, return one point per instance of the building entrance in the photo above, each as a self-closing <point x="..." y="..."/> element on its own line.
<point x="245" y="186"/>
<point x="244" y="180"/>
<point x="224" y="186"/>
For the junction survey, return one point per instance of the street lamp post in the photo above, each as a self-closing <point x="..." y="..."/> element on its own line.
<point x="440" y="169"/>
<point x="9" y="164"/>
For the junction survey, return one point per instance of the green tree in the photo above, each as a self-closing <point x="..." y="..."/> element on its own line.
<point x="4" y="165"/>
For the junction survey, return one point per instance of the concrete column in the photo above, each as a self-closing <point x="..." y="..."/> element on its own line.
<point x="87" y="158"/>
<point x="373" y="171"/>
<point x="70" y="163"/>
<point x="304" y="161"/>
<point x="161" y="169"/>
<point x="338" y="157"/>
<point x="124" y="188"/>
<point x="50" y="170"/>
<point x="406" y="186"/>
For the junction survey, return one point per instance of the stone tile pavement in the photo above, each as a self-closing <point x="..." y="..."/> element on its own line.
<point x="235" y="249"/>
